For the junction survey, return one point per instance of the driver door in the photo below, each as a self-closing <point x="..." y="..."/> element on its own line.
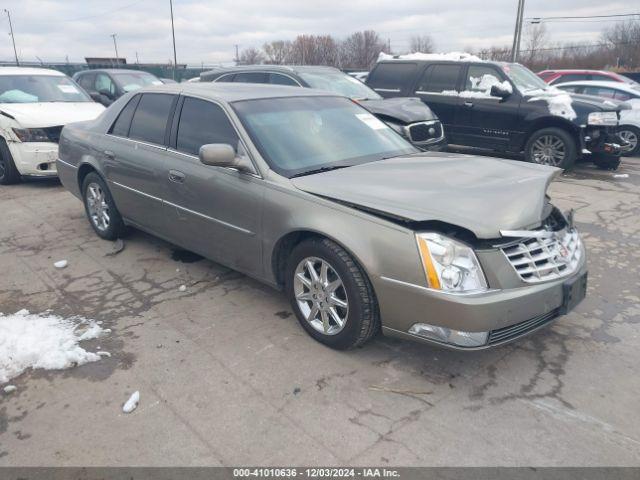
<point x="485" y="121"/>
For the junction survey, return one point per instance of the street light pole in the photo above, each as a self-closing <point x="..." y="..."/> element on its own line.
<point x="115" y="45"/>
<point x="173" y="34"/>
<point x="13" y="38"/>
<point x="517" y="35"/>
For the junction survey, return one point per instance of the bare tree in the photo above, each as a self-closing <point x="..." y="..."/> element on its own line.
<point x="421" y="43"/>
<point x="535" y="42"/>
<point x="623" y="41"/>
<point x="361" y="49"/>
<point x="278" y="52"/>
<point x="251" y="56"/>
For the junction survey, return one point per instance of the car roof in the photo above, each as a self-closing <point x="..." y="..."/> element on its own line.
<point x="274" y="68"/>
<point x="30" y="71"/>
<point x="113" y="70"/>
<point x="602" y="83"/>
<point x="580" y="70"/>
<point x="234" y="92"/>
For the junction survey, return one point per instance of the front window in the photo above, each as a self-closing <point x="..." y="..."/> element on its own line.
<point x="298" y="135"/>
<point x="523" y="78"/>
<point x="40" y="88"/>
<point x="340" y="83"/>
<point x="131" y="81"/>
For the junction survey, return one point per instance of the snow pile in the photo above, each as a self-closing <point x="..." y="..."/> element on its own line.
<point x="451" y="56"/>
<point x="559" y="102"/>
<point x="43" y="341"/>
<point x="481" y="87"/>
<point x="131" y="404"/>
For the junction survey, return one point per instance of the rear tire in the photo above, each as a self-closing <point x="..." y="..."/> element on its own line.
<point x="551" y="146"/>
<point x="336" y="304"/>
<point x="8" y="172"/>
<point x="101" y="210"/>
<point x="631" y="134"/>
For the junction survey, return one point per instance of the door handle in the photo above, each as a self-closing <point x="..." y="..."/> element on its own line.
<point x="109" y="154"/>
<point x="468" y="104"/>
<point x="176" y="176"/>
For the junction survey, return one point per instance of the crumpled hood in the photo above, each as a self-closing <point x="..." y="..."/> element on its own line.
<point x="51" y="114"/>
<point x="481" y="194"/>
<point x="405" y="109"/>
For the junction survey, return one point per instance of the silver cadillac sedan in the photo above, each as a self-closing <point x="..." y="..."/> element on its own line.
<point x="310" y="193"/>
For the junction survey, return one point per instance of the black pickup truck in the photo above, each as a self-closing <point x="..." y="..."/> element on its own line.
<point x="505" y="107"/>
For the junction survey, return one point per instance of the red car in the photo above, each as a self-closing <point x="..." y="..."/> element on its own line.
<point x="553" y="77"/>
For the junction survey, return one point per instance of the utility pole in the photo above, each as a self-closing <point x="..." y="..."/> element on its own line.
<point x="115" y="45"/>
<point x="237" y="54"/>
<point x="173" y="34"/>
<point x="13" y="38"/>
<point x="517" y="35"/>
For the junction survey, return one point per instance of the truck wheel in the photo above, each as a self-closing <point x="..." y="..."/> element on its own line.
<point x="101" y="209"/>
<point x="551" y="146"/>
<point x="8" y="172"/>
<point x="331" y="295"/>
<point x="631" y="134"/>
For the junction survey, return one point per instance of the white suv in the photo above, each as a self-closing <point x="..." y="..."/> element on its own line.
<point x="35" y="103"/>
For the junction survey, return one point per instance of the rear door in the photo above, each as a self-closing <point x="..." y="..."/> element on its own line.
<point x="134" y="155"/>
<point x="483" y="120"/>
<point x="438" y="87"/>
<point x="214" y="211"/>
<point x="393" y="79"/>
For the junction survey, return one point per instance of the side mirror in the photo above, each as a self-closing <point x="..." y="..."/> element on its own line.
<point x="223" y="155"/>
<point x="106" y="93"/>
<point x="499" y="91"/>
<point x="96" y="97"/>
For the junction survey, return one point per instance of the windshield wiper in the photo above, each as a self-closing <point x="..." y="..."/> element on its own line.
<point x="403" y="155"/>
<point x="320" y="170"/>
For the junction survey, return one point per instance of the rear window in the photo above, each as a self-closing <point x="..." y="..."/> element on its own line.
<point x="440" y="78"/>
<point x="150" y="118"/>
<point x="121" y="125"/>
<point x="251" y="77"/>
<point x="392" y="76"/>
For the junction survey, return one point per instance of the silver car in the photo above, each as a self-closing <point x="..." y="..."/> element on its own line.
<point x="311" y="193"/>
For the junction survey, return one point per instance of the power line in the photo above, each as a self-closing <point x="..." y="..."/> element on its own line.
<point x="585" y="16"/>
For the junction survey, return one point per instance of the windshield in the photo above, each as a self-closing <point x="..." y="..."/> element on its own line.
<point x="40" y="88"/>
<point x="131" y="81"/>
<point x="340" y="83"/>
<point x="523" y="78"/>
<point x="297" y="135"/>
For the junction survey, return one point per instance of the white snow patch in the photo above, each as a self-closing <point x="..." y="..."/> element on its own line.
<point x="10" y="388"/>
<point x="61" y="264"/>
<point x="43" y="341"/>
<point x="451" y="56"/>
<point x="621" y="175"/>
<point x="183" y="288"/>
<point x="481" y="88"/>
<point x="559" y="102"/>
<point x="131" y="404"/>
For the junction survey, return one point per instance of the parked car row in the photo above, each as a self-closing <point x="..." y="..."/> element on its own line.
<point x="308" y="191"/>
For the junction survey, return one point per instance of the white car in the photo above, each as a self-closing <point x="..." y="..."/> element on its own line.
<point x="626" y="92"/>
<point x="35" y="103"/>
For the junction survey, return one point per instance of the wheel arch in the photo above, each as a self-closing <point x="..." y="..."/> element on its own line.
<point x="554" y="122"/>
<point x="289" y="240"/>
<point x="84" y="169"/>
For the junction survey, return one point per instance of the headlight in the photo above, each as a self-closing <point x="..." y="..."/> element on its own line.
<point x="31" y="135"/>
<point x="603" y="118"/>
<point x="450" y="265"/>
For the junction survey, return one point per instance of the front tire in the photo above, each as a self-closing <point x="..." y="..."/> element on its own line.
<point x="331" y="295"/>
<point x="100" y="208"/>
<point x="631" y="134"/>
<point x="8" y="172"/>
<point x="551" y="146"/>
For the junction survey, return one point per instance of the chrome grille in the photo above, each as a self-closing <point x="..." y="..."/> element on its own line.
<point x="547" y="258"/>
<point x="505" y="334"/>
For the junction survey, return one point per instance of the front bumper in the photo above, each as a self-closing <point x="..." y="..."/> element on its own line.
<point x="35" y="159"/>
<point x="602" y="141"/>
<point x="504" y="315"/>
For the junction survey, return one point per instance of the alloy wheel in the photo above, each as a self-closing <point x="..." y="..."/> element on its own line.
<point x="549" y="150"/>
<point x="321" y="295"/>
<point x="98" y="207"/>
<point x="630" y="137"/>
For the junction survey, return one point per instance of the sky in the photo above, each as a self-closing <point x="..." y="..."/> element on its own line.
<point x="208" y="30"/>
